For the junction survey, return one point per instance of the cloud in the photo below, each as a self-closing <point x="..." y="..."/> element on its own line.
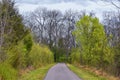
<point x="27" y="1"/>
<point x="26" y="7"/>
<point x="77" y="5"/>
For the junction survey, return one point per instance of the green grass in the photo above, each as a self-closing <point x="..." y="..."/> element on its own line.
<point x="7" y="72"/>
<point x="37" y="74"/>
<point x="84" y="74"/>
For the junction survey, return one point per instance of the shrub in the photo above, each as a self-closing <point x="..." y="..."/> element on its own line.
<point x="7" y="72"/>
<point x="40" y="55"/>
<point x="75" y="56"/>
<point x="28" y="42"/>
<point x="16" y="56"/>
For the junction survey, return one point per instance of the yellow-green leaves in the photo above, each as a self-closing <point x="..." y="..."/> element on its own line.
<point x="7" y="72"/>
<point x="16" y="56"/>
<point x="40" y="55"/>
<point x="92" y="41"/>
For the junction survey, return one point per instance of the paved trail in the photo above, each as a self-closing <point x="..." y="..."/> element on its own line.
<point x="60" y="72"/>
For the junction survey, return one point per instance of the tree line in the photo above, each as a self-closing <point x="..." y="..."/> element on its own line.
<point x="79" y="37"/>
<point x="18" y="50"/>
<point x="44" y="36"/>
<point x="54" y="28"/>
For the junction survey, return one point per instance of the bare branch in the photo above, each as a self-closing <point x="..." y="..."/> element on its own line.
<point x="115" y="5"/>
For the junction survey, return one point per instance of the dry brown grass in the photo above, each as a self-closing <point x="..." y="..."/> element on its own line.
<point x="98" y="72"/>
<point x="0" y="77"/>
<point x="27" y="70"/>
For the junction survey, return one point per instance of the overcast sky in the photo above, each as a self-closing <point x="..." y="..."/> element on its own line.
<point x="97" y="6"/>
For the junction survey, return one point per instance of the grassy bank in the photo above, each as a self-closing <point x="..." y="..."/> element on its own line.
<point x="37" y="74"/>
<point x="84" y="74"/>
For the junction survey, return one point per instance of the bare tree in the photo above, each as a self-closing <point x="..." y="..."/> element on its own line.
<point x="112" y="27"/>
<point x="54" y="28"/>
<point x="116" y="3"/>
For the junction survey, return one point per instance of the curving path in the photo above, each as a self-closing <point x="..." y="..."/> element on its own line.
<point x="60" y="72"/>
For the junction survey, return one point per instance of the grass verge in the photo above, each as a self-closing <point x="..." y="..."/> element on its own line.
<point x="84" y="74"/>
<point x="7" y="72"/>
<point x="37" y="74"/>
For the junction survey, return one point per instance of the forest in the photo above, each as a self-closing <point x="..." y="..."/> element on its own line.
<point x="44" y="37"/>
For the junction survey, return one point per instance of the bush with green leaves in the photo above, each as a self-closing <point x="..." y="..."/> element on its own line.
<point x="16" y="56"/>
<point x="28" y="41"/>
<point x="75" y="56"/>
<point x="40" y="55"/>
<point x="7" y="72"/>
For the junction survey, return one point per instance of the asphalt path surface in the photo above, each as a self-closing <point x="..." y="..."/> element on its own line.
<point x="61" y="72"/>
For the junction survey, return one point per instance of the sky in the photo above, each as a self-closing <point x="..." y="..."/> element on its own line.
<point x="96" y="6"/>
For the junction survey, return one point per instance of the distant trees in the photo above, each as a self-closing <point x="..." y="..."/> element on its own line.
<point x="112" y="28"/>
<point x="111" y="23"/>
<point x="53" y="28"/>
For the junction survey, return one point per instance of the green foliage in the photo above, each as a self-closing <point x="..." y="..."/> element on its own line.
<point x="75" y="56"/>
<point x="7" y="72"/>
<point x="92" y="42"/>
<point x="117" y="59"/>
<point x="40" y="55"/>
<point x="59" y="54"/>
<point x="28" y="42"/>
<point x="16" y="44"/>
<point x="13" y="28"/>
<point x="16" y="56"/>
